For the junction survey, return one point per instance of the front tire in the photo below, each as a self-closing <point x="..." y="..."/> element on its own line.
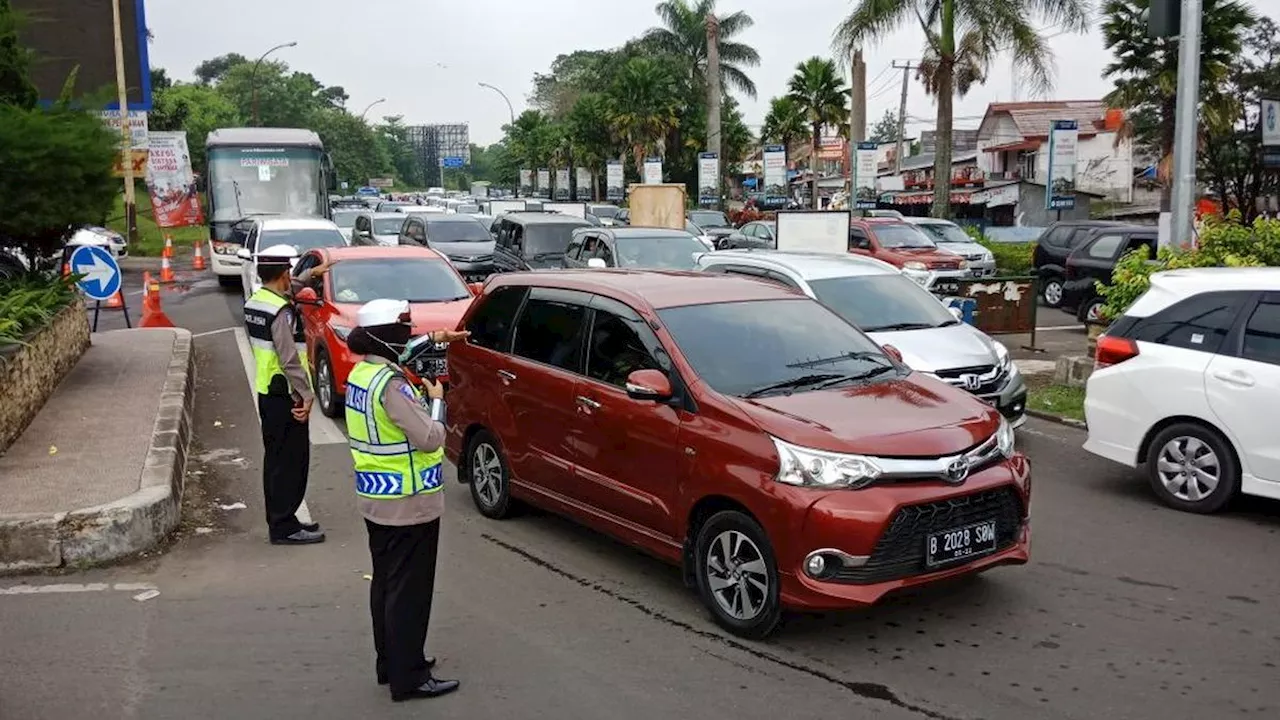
<point x="737" y="575"/>
<point x="490" y="476"/>
<point x="1052" y="292"/>
<point x="1191" y="468"/>
<point x="331" y="401"/>
<point x="1090" y="312"/>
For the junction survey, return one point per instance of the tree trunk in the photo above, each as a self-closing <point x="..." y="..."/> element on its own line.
<point x="1168" y="129"/>
<point x="595" y="185"/>
<point x="813" y="163"/>
<point x="713" y="94"/>
<point x="946" y="99"/>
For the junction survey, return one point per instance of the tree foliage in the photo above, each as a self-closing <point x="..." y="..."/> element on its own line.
<point x="886" y="128"/>
<point x="16" y="88"/>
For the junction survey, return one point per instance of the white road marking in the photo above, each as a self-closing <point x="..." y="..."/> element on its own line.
<point x="214" y="332"/>
<point x="62" y="588"/>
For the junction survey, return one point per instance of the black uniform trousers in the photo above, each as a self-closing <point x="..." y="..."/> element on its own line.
<point x="286" y="459"/>
<point x="404" y="582"/>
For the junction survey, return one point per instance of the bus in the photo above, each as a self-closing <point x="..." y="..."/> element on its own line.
<point x="253" y="172"/>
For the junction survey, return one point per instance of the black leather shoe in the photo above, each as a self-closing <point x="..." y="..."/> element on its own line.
<point x="311" y="527"/>
<point x="302" y="537"/>
<point x="429" y="689"/>
<point x="384" y="680"/>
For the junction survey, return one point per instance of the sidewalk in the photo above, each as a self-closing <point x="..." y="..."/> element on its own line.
<point x="98" y="473"/>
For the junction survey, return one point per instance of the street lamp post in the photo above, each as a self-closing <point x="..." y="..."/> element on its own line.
<point x="253" y="77"/>
<point x="369" y="106"/>
<point x="504" y="97"/>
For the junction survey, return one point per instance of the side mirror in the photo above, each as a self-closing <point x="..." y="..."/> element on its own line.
<point x="477" y="288"/>
<point x="244" y="254"/>
<point x="648" y="385"/>
<point x="596" y="263"/>
<point x="307" y="296"/>
<point x="892" y="352"/>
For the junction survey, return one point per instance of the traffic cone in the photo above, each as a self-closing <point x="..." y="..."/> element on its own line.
<point x="198" y="262"/>
<point x="168" y="246"/>
<point x="166" y="270"/>
<point x="115" y="302"/>
<point x="152" y="315"/>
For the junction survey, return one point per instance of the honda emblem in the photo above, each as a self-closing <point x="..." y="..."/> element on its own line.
<point x="971" y="382"/>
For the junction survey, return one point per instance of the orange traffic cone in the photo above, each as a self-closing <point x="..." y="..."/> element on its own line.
<point x="168" y="246"/>
<point x="198" y="262"/>
<point x="152" y="315"/>
<point x="116" y="301"/>
<point x="166" y="270"/>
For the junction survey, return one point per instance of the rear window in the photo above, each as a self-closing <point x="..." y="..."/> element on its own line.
<point x="1196" y="323"/>
<point x="671" y="253"/>
<point x="448" y="231"/>
<point x="548" y="239"/>
<point x="387" y="226"/>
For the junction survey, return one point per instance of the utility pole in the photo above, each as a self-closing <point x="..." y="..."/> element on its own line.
<point x="1181" y="225"/>
<point x="857" y="113"/>
<point x="126" y="132"/>
<point x="906" y="67"/>
<point x="713" y="93"/>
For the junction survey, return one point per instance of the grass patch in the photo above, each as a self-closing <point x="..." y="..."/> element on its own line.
<point x="150" y="236"/>
<point x="1057" y="400"/>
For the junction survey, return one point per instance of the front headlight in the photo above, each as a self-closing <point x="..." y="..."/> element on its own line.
<point x="987" y="257"/>
<point x="342" y="331"/>
<point x="963" y="263"/>
<point x="1002" y="354"/>
<point x="914" y="265"/>
<point x="806" y="467"/>
<point x="1005" y="438"/>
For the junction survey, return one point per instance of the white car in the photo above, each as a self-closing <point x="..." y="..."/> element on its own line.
<point x="1186" y="383"/>
<point x="302" y="233"/>
<point x="345" y="219"/>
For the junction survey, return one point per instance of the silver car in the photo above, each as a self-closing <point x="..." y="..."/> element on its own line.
<point x="950" y="238"/>
<point x="893" y="310"/>
<point x="379" y="228"/>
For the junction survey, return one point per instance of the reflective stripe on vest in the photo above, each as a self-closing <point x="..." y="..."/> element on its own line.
<point x="386" y="465"/>
<point x="260" y="313"/>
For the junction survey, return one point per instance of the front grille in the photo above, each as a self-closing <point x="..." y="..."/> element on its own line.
<point x="471" y="258"/>
<point x="989" y="378"/>
<point x="900" y="551"/>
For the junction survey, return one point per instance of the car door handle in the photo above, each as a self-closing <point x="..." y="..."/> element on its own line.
<point x="588" y="402"/>
<point x="507" y="376"/>
<point x="1235" y="378"/>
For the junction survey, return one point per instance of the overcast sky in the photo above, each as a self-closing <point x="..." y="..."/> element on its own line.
<point x="426" y="57"/>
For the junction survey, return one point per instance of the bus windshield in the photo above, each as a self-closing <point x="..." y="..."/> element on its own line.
<point x="253" y="180"/>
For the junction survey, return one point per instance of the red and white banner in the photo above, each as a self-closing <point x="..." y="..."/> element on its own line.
<point x="171" y="183"/>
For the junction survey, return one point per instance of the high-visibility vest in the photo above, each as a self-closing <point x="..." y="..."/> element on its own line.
<point x="259" y="314"/>
<point x="387" y="466"/>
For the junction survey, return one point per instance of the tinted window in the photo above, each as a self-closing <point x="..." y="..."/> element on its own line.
<point x="303" y="240"/>
<point x="1057" y="237"/>
<point x="548" y="239"/>
<point x="617" y="349"/>
<point x="1197" y="323"/>
<point x="491" y="324"/>
<point x="1262" y="334"/>
<point x="882" y="303"/>
<point x="447" y="231"/>
<point x="741" y="347"/>
<point x="1105" y="246"/>
<point x="550" y="332"/>
<point x="674" y="253"/>
<point x="1079" y="236"/>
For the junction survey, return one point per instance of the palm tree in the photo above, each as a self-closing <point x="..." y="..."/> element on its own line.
<point x="785" y="122"/>
<point x="962" y="37"/>
<point x="819" y="93"/>
<point x="684" y="34"/>
<point x="644" y="102"/>
<point x="588" y="129"/>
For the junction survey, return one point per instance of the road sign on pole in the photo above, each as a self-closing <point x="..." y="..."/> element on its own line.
<point x="101" y="274"/>
<point x="452" y="162"/>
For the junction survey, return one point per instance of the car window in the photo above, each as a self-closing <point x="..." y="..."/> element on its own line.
<point x="1104" y="248"/>
<point x="1262" y="333"/>
<point x="575" y="247"/>
<point x="617" y="348"/>
<point x="1057" y="237"/>
<point x="605" y="253"/>
<point x="414" y="231"/>
<point x="305" y="263"/>
<point x="490" y="326"/>
<point x="1079" y="236"/>
<point x="902" y="235"/>
<point x="549" y="331"/>
<point x="882" y="303"/>
<point x="858" y="239"/>
<point x="672" y="252"/>
<point x="251" y="242"/>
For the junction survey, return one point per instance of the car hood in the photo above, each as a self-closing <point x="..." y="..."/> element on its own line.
<point x="953" y="346"/>
<point x="915" y="416"/>
<point x="463" y="251"/>
<point x="922" y="254"/>
<point x="719" y="231"/>
<point x="962" y="249"/>
<point x="426" y="316"/>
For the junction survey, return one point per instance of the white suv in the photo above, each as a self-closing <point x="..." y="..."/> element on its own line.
<point x="1187" y="382"/>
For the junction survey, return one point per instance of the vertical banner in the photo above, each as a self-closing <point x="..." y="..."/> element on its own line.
<point x="544" y="183"/>
<point x="526" y="183"/>
<point x="708" y="179"/>
<point x="138" y="136"/>
<point x="170" y="181"/>
<point x="614" y="179"/>
<point x="864" y="176"/>
<point x="585" y="191"/>
<point x="1060" y="190"/>
<point x="775" y="171"/>
<point x="562" y="184"/>
<point x="653" y="171"/>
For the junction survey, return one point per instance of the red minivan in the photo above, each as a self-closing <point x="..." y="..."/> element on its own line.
<point x="733" y="427"/>
<point x="907" y="247"/>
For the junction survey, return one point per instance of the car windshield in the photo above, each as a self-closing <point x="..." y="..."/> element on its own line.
<point x="710" y="219"/>
<point x="464" y="229"/>
<point x="345" y="219"/>
<point x="672" y="253"/>
<point x="901" y="235"/>
<point x="881" y="303"/>
<point x="302" y="239"/>
<point x="945" y="233"/>
<point x="415" y="280"/>
<point x="772" y="346"/>
<point x="249" y="181"/>
<point x="387" y="226"/>
<point x="604" y="212"/>
<point x="548" y="238"/>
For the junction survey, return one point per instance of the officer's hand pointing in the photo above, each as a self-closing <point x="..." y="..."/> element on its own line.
<point x="435" y="390"/>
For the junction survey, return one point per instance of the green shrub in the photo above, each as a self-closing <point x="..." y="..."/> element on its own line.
<point x="28" y="303"/>
<point x="1011" y="258"/>
<point x="1223" y="242"/>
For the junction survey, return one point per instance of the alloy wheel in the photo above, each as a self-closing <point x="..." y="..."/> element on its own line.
<point x="1053" y="293"/>
<point x="1188" y="468"/>
<point x="737" y="575"/>
<point x="486" y="474"/>
<point x="324" y="383"/>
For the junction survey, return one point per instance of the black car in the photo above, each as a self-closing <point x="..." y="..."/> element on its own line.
<point x="713" y="223"/>
<point x="532" y="240"/>
<point x="758" y="234"/>
<point x="1095" y="260"/>
<point x="461" y="238"/>
<point x="1054" y="245"/>
<point x="633" y="247"/>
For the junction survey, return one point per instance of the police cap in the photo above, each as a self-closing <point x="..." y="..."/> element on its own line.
<point x="383" y="312"/>
<point x="277" y="256"/>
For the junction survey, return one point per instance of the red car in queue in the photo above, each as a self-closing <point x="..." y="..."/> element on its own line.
<point x="438" y="297"/>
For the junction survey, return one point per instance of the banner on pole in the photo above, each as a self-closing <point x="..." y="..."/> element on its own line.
<point x="171" y="182"/>
<point x="614" y="181"/>
<point x="708" y="178"/>
<point x="1060" y="190"/>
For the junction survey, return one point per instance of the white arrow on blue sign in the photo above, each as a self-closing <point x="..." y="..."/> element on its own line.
<point x="101" y="275"/>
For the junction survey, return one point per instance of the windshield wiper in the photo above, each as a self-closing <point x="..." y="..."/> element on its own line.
<point x="873" y="372"/>
<point x="858" y="355"/>
<point x="793" y="384"/>
<point x="900" y="326"/>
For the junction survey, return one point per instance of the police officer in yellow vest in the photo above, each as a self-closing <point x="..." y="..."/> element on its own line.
<point x="397" y="445"/>
<point x="284" y="394"/>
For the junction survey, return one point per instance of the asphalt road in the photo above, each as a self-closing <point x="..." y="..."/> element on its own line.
<point x="1128" y="610"/>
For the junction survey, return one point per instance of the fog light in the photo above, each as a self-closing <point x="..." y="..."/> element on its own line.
<point x="815" y="565"/>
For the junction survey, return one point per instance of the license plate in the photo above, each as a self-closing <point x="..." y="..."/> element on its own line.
<point x="945" y="287"/>
<point x="962" y="543"/>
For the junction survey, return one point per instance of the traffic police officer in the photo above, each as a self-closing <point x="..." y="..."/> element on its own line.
<point x="397" y="448"/>
<point x="284" y="394"/>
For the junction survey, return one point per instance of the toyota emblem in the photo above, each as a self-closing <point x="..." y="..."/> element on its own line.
<point x="957" y="471"/>
<point x="971" y="382"/>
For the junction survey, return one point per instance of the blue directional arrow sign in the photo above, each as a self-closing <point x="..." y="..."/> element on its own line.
<point x="101" y="274"/>
<point x="453" y="162"/>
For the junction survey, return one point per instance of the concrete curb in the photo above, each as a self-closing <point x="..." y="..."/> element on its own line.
<point x="133" y="523"/>
<point x="1069" y="422"/>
